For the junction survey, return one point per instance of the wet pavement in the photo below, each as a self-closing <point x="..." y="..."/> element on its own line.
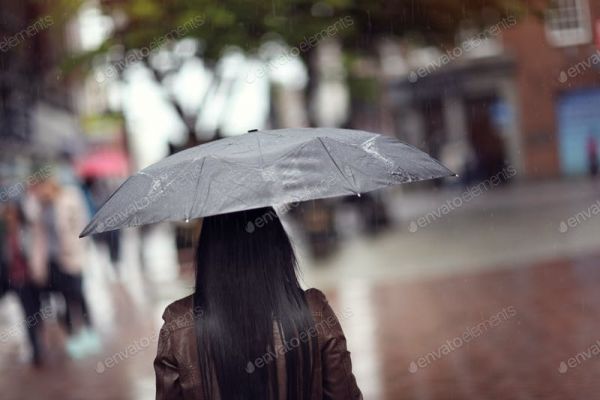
<point x="498" y="335"/>
<point x="492" y="301"/>
<point x="492" y="335"/>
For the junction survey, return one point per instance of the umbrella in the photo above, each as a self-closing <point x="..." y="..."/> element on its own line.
<point x="103" y="164"/>
<point x="263" y="168"/>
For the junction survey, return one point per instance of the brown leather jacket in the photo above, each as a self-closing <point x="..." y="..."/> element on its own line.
<point x="176" y="364"/>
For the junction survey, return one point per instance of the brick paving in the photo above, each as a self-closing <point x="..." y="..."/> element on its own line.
<point x="515" y="355"/>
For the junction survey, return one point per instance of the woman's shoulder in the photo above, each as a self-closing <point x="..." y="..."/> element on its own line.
<point x="316" y="300"/>
<point x="326" y="321"/>
<point x="179" y="314"/>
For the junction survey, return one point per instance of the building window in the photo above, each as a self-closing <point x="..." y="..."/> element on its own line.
<point x="568" y="22"/>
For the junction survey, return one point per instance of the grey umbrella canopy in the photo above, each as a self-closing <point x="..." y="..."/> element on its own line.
<point x="262" y="168"/>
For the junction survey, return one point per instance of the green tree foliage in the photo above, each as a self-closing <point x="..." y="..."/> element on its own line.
<point x="247" y="24"/>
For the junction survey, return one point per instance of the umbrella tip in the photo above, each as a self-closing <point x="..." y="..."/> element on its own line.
<point x="253" y="130"/>
<point x="85" y="232"/>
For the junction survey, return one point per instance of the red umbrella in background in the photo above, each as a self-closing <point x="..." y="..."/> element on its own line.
<point x="105" y="163"/>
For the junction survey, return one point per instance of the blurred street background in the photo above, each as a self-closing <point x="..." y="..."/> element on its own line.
<point x="484" y="286"/>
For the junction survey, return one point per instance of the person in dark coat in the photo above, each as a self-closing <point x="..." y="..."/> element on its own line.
<point x="592" y="153"/>
<point x="250" y="331"/>
<point x="15" y="275"/>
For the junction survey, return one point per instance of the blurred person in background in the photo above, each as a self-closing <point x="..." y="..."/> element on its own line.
<point x="58" y="213"/>
<point x="249" y="330"/>
<point x="15" y="274"/>
<point x="318" y="222"/>
<point x="592" y="152"/>
<point x="96" y="192"/>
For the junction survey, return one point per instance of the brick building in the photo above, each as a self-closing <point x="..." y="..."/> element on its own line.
<point x="527" y="93"/>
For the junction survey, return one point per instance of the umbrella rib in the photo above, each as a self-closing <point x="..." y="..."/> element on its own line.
<point x="357" y="147"/>
<point x="189" y="214"/>
<point x="206" y="197"/>
<point x="210" y="182"/>
<point x="262" y="159"/>
<point x="231" y="165"/>
<point x="337" y="166"/>
<point x="169" y="183"/>
<point x="415" y="149"/>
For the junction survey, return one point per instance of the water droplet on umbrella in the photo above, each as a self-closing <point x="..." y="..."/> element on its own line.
<point x="358" y="194"/>
<point x="187" y="220"/>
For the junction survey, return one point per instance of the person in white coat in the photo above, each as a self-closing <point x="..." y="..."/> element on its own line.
<point x="57" y="214"/>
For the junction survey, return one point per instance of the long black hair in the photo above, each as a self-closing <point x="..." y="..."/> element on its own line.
<point x="247" y="290"/>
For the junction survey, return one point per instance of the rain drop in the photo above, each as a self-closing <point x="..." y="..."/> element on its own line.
<point x="187" y="220"/>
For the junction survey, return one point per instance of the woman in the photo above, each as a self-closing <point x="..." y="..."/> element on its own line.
<point x="249" y="331"/>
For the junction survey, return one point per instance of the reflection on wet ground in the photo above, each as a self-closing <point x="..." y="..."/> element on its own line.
<point x="496" y="335"/>
<point x="521" y="333"/>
